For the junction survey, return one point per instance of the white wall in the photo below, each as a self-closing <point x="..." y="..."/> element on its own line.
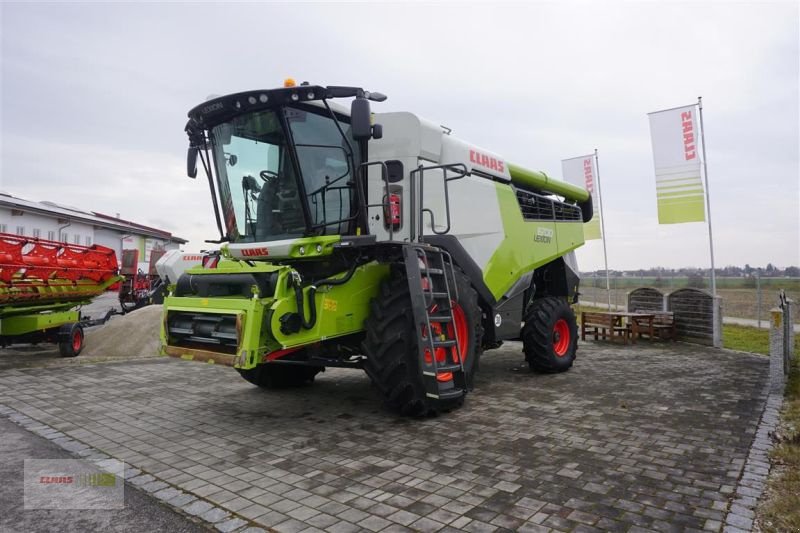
<point x="47" y="226"/>
<point x="87" y="234"/>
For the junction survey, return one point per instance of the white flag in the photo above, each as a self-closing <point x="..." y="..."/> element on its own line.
<point x="581" y="171"/>
<point x="676" y="154"/>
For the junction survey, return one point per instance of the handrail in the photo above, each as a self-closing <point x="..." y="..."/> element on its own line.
<point x="417" y="214"/>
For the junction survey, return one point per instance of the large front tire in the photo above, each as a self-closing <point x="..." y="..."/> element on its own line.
<point x="280" y="376"/>
<point x="392" y="354"/>
<point x="550" y="335"/>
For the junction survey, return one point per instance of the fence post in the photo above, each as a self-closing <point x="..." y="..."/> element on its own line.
<point x="758" y="296"/>
<point x="788" y="331"/>
<point x="776" y="349"/>
<point x="717" y="324"/>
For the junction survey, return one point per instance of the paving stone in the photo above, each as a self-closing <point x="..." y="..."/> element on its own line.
<point x="226" y="526"/>
<point x="637" y="442"/>
<point x="214" y="515"/>
<point x="197" y="508"/>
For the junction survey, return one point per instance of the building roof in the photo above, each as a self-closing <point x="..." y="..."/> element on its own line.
<point x="88" y="217"/>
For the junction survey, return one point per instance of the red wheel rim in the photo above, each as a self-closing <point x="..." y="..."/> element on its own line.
<point x="458" y="329"/>
<point x="76" y="340"/>
<point x="561" y="337"/>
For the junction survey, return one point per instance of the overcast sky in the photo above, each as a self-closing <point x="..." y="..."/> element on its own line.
<point x="94" y="101"/>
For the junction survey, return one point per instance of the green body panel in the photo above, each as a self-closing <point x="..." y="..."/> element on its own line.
<point x="250" y="312"/>
<point x="340" y="309"/>
<point x="527" y="244"/>
<point x="532" y="179"/>
<point x="23" y="324"/>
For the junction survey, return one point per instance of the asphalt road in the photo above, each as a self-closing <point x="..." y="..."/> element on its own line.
<point x="141" y="512"/>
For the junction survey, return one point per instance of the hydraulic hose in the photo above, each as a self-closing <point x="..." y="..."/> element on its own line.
<point x="312" y="291"/>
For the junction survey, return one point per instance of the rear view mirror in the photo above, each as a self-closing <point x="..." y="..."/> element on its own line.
<point x="360" y="119"/>
<point x="191" y="162"/>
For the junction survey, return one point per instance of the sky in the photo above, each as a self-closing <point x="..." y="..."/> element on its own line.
<point x="94" y="100"/>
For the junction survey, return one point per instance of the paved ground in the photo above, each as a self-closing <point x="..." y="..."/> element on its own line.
<point x="141" y="512"/>
<point x="632" y="438"/>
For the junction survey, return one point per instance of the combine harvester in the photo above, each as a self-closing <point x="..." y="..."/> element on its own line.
<point x="379" y="242"/>
<point x="41" y="284"/>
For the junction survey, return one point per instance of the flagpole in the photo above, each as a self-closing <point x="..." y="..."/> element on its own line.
<point x="602" y="227"/>
<point x="708" y="196"/>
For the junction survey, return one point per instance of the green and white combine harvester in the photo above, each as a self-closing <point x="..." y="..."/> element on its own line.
<point x="375" y="241"/>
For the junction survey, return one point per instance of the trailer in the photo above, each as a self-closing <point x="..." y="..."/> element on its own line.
<point x="42" y="285"/>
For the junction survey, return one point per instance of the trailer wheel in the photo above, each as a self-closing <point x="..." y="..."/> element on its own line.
<point x="550" y="335"/>
<point x="71" y="340"/>
<point x="392" y="361"/>
<point x="280" y="376"/>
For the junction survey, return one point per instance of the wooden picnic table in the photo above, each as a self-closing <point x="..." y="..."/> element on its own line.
<point x="626" y="325"/>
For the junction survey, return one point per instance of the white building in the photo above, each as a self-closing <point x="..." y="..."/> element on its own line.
<point x="54" y="222"/>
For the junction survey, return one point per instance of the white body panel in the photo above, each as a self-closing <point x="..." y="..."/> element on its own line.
<point x="474" y="210"/>
<point x="174" y="263"/>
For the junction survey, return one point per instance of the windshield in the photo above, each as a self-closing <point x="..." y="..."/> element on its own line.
<point x="258" y="186"/>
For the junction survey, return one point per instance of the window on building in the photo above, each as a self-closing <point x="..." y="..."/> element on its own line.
<point x="20" y="230"/>
<point x="51" y="235"/>
<point x="37" y="233"/>
<point x="88" y="241"/>
<point x="77" y="239"/>
<point x="65" y="237"/>
<point x="3" y="228"/>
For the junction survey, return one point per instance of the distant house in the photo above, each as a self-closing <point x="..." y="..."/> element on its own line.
<point x="55" y="222"/>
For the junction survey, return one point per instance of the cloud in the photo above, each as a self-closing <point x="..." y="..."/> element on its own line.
<point x="105" y="88"/>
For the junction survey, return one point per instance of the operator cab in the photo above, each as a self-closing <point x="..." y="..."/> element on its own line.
<point x="282" y="163"/>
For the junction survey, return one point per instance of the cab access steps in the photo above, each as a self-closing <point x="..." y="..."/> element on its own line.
<point x="430" y="275"/>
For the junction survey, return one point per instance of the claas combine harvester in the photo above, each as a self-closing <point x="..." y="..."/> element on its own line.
<point x="41" y="284"/>
<point x="374" y="241"/>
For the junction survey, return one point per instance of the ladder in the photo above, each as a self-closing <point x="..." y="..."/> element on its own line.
<point x="428" y="269"/>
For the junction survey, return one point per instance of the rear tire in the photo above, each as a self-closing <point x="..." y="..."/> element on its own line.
<point x="280" y="376"/>
<point x="391" y="347"/>
<point x="71" y="343"/>
<point x="550" y="335"/>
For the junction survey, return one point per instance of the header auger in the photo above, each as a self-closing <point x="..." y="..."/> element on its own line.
<point x="42" y="281"/>
<point x="373" y="241"/>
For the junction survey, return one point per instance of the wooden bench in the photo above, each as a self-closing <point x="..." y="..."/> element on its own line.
<point x="603" y="324"/>
<point x="664" y="326"/>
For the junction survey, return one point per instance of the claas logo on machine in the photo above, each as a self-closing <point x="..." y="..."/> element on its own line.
<point x="254" y="252"/>
<point x="486" y="161"/>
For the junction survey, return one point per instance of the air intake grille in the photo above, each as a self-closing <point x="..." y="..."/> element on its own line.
<point x="538" y="207"/>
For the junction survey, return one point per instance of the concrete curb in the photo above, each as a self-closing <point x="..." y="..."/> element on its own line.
<point x="184" y="503"/>
<point x="753" y="480"/>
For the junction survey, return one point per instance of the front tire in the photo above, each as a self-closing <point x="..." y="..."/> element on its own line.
<point x="550" y="335"/>
<point x="391" y="346"/>
<point x="280" y="376"/>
